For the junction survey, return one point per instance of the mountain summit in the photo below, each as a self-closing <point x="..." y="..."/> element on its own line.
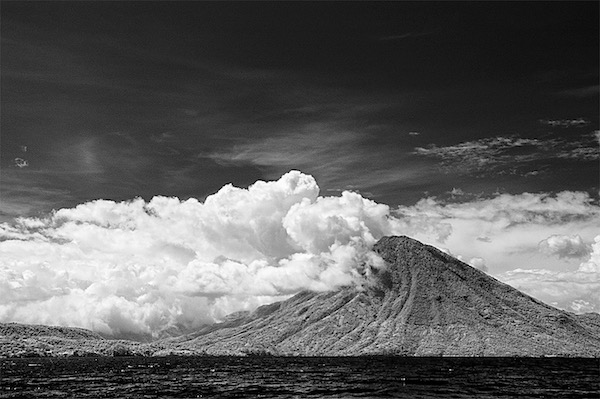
<point x="423" y="303"/>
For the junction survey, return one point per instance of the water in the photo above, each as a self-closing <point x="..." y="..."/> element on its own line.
<point x="273" y="377"/>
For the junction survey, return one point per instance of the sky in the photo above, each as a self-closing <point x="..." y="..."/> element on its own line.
<point x="165" y="163"/>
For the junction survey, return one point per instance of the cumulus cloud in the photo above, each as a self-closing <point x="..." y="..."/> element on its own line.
<point x="564" y="246"/>
<point x="512" y="236"/>
<point x="478" y="263"/>
<point x="592" y="265"/>
<point x="139" y="267"/>
<point x="576" y="291"/>
<point x="501" y="212"/>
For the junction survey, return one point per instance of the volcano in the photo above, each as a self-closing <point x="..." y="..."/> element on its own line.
<point x="423" y="303"/>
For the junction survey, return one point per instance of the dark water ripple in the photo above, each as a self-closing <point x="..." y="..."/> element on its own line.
<point x="273" y="377"/>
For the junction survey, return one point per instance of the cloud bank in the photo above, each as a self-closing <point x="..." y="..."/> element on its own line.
<point x="141" y="267"/>
<point x="169" y="266"/>
<point x="564" y="246"/>
<point x="525" y="240"/>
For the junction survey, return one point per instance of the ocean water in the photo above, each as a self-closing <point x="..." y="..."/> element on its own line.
<point x="276" y="377"/>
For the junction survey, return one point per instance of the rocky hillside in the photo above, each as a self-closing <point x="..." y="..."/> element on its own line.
<point x="424" y="303"/>
<point x="21" y="331"/>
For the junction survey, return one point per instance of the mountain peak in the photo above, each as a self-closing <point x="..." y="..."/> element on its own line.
<point x="409" y="260"/>
<point x="395" y="241"/>
<point x="424" y="303"/>
<point x="404" y="251"/>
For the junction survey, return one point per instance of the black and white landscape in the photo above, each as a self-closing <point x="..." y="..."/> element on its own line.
<point x="299" y="199"/>
<point x="421" y="302"/>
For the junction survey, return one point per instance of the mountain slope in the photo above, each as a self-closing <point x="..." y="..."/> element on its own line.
<point x="21" y="331"/>
<point x="425" y="303"/>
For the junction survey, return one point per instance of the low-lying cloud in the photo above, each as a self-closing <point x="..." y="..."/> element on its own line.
<point x="141" y="267"/>
<point x="565" y="246"/>
<point x="147" y="267"/>
<point x="525" y="240"/>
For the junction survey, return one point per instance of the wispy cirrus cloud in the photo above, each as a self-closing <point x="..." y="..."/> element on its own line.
<point x="406" y="35"/>
<point x="311" y="145"/>
<point x="578" y="122"/>
<point x="27" y="195"/>
<point x="510" y="154"/>
<point x="340" y="157"/>
<point x="582" y="92"/>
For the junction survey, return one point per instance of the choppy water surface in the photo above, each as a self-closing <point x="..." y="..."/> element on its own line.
<point x="272" y="377"/>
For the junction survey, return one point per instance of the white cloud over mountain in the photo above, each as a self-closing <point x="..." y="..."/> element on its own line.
<point x="577" y="291"/>
<point x="525" y="240"/>
<point x="139" y="267"/>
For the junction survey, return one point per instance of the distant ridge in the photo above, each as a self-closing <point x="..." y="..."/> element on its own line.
<point x="21" y="331"/>
<point x="423" y="303"/>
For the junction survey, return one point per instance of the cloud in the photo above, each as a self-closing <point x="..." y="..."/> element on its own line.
<point x="145" y="267"/>
<point x="330" y="152"/>
<point x="163" y="137"/>
<point x="407" y="35"/>
<point x="508" y="210"/>
<point x="564" y="246"/>
<point x="579" y="122"/>
<point x="139" y="267"/>
<point x="582" y="92"/>
<point x="414" y="133"/>
<point x="22" y="197"/>
<point x="512" y="235"/>
<point x="312" y="145"/>
<point x="575" y="291"/>
<point x="509" y="155"/>
<point x="592" y="265"/>
<point x="478" y="263"/>
<point x="21" y="163"/>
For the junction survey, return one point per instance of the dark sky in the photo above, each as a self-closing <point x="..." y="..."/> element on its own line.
<point x="396" y="100"/>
